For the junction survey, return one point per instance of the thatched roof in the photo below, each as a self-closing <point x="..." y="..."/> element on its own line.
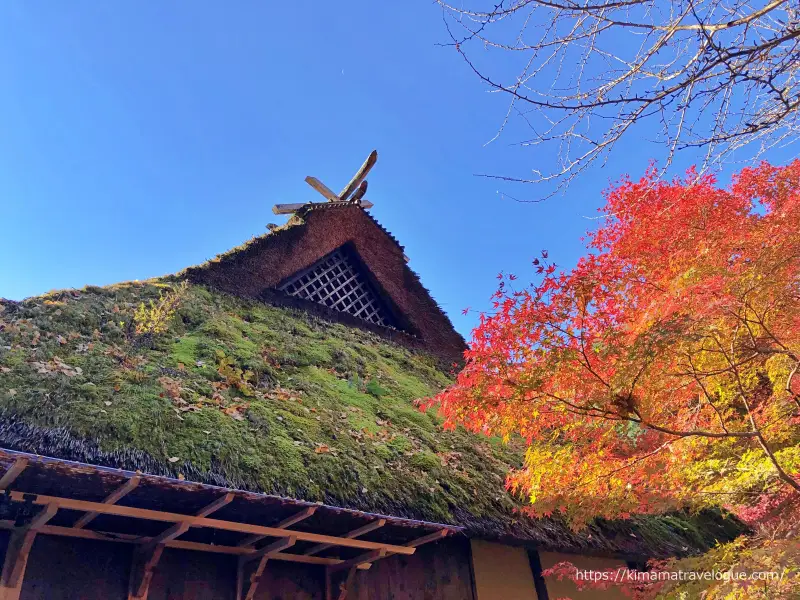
<point x="256" y="268"/>
<point x="326" y="416"/>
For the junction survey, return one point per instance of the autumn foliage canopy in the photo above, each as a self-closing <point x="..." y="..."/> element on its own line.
<point x="662" y="371"/>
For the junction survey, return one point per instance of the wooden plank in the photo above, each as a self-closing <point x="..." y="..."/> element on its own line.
<point x="176" y="530"/>
<point x="127" y="538"/>
<point x="112" y="498"/>
<point x="216" y="505"/>
<point x="296" y="518"/>
<point x="18" y="551"/>
<point x="433" y="537"/>
<point x="13" y="472"/>
<point x="359" y="560"/>
<point x="179" y="529"/>
<point x="287" y="209"/>
<point x="273" y="548"/>
<point x="360" y="175"/>
<point x="350" y="534"/>
<point x="323" y="189"/>
<point x="41" y="519"/>
<point x="359" y="193"/>
<point x="195" y="521"/>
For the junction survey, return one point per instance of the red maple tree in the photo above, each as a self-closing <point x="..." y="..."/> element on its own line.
<point x="662" y="371"/>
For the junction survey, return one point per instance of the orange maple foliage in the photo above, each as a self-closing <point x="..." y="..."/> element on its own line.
<point x="662" y="371"/>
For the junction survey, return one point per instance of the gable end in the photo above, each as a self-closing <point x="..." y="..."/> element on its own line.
<point x="259" y="269"/>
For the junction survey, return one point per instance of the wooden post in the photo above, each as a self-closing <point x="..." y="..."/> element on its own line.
<point x="350" y="535"/>
<point x="19" y="548"/>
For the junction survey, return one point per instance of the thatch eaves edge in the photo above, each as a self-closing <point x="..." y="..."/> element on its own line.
<point x="639" y="537"/>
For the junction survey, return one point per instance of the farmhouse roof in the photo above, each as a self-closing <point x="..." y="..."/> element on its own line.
<point x="289" y="370"/>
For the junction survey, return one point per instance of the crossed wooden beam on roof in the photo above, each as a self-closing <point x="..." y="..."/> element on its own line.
<point x="353" y="192"/>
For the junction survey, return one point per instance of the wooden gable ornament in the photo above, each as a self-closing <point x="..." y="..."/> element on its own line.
<point x="334" y="259"/>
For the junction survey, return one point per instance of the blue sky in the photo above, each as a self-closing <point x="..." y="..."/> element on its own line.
<point x="141" y="138"/>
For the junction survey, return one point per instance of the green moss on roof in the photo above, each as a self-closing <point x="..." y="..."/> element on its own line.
<point x="268" y="399"/>
<point x="330" y="415"/>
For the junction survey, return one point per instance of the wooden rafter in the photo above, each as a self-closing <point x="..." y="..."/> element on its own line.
<point x="271" y="549"/>
<point x="288" y="522"/>
<point x="196" y="521"/>
<point x="431" y="537"/>
<point x="361" y="559"/>
<point x="180" y="528"/>
<point x="106" y="536"/>
<point x="214" y="506"/>
<point x="377" y="524"/>
<point x="112" y="498"/>
<point x="13" y="472"/>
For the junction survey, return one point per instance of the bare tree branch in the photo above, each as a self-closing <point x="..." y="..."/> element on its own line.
<point x="714" y="74"/>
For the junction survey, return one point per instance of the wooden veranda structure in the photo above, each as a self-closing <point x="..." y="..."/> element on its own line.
<point x="47" y="496"/>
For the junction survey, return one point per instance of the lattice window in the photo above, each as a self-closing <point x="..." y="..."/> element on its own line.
<point x="338" y="282"/>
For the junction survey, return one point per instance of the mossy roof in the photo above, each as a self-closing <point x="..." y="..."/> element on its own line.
<point x="255" y="397"/>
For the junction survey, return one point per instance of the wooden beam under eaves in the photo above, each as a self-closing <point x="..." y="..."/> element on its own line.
<point x="13" y="472"/>
<point x="288" y="522"/>
<point x="125" y="538"/>
<point x="377" y="524"/>
<point x="179" y="529"/>
<point x="362" y="559"/>
<point x="196" y="521"/>
<point x="112" y="498"/>
<point x="431" y="537"/>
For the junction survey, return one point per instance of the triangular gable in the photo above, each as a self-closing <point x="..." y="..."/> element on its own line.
<point x="338" y="281"/>
<point x="318" y="240"/>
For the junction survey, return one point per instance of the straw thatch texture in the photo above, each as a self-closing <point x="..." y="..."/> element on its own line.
<point x="258" y="267"/>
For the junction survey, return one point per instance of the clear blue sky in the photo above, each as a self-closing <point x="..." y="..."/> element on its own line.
<point x="139" y="138"/>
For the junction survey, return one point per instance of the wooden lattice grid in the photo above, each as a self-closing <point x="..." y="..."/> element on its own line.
<point x="337" y="281"/>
